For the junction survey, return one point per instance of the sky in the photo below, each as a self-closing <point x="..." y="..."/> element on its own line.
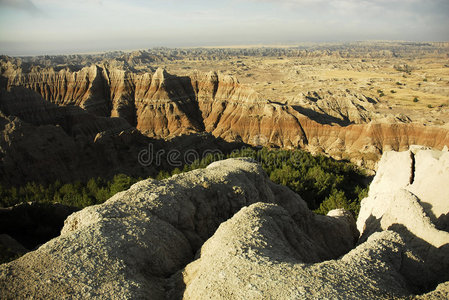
<point x="36" y="27"/>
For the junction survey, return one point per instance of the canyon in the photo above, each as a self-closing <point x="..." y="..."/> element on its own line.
<point x="227" y="231"/>
<point x="103" y="103"/>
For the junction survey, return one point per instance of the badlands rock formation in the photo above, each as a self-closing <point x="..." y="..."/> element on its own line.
<point x="228" y="232"/>
<point x="45" y="153"/>
<point x="45" y="142"/>
<point x="162" y="105"/>
<point x="341" y="107"/>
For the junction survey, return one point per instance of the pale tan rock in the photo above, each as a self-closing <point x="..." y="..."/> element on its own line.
<point x="253" y="256"/>
<point x="395" y="171"/>
<point x="409" y="195"/>
<point x="430" y="177"/>
<point x="127" y="247"/>
<point x="227" y="232"/>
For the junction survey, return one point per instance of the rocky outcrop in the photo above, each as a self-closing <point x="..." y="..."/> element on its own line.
<point x="227" y="232"/>
<point x="85" y="88"/>
<point x="408" y="195"/>
<point x="408" y="255"/>
<point x="129" y="246"/>
<point x="364" y="144"/>
<point x="157" y="104"/>
<point x="44" y="142"/>
<point x="165" y="105"/>
<point x="29" y="106"/>
<point x="235" y="112"/>
<point x="420" y="174"/>
<point x="242" y="263"/>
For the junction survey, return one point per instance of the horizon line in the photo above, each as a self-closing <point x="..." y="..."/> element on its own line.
<point x="226" y="46"/>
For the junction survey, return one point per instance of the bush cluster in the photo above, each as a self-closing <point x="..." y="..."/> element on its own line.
<point x="77" y="194"/>
<point x="322" y="182"/>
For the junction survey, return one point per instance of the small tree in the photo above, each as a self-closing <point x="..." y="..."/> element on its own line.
<point x="337" y="199"/>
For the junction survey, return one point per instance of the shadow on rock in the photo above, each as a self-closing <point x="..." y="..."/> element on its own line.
<point x="32" y="224"/>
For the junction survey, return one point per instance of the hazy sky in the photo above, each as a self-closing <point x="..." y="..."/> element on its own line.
<point x="70" y="26"/>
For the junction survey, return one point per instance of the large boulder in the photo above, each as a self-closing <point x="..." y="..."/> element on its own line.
<point x="401" y="251"/>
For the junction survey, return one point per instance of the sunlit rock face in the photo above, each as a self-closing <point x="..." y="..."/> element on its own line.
<point x="134" y="245"/>
<point x="228" y="232"/>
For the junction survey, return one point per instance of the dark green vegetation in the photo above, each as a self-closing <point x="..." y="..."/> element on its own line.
<point x="322" y="182"/>
<point x="404" y="68"/>
<point x="381" y="93"/>
<point x="77" y="194"/>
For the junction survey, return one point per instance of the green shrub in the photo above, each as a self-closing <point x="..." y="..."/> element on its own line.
<point x="404" y="68"/>
<point x="415" y="99"/>
<point x="322" y="182"/>
<point x="78" y="194"/>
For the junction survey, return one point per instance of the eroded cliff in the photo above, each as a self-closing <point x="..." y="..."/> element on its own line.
<point x="162" y="105"/>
